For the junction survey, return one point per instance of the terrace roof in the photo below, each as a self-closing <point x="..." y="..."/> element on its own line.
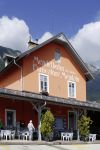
<point x="35" y="97"/>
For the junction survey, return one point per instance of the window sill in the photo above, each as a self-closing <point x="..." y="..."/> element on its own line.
<point x="44" y="93"/>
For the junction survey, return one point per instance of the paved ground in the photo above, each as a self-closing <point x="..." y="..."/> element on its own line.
<point x="43" y="145"/>
<point x="51" y="147"/>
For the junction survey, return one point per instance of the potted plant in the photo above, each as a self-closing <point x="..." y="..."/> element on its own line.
<point x="84" y="125"/>
<point x="47" y="121"/>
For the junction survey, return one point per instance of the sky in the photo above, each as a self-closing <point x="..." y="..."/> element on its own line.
<point x="79" y="20"/>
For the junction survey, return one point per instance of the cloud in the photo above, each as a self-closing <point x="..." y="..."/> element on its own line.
<point x="97" y="16"/>
<point x="45" y="36"/>
<point x="87" y="41"/>
<point x="14" y="33"/>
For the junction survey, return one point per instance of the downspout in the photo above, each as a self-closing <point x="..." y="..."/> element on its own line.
<point x="21" y="74"/>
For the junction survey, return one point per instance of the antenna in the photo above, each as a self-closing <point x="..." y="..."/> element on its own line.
<point x="30" y="38"/>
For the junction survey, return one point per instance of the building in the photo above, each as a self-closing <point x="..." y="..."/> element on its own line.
<point x="51" y="76"/>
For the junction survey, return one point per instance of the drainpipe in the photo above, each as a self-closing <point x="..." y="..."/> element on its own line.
<point x="21" y="74"/>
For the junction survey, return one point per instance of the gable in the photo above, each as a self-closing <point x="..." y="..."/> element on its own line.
<point x="44" y="58"/>
<point x="43" y="62"/>
<point x="61" y="39"/>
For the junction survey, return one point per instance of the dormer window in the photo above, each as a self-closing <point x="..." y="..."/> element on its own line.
<point x="57" y="56"/>
<point x="8" y="58"/>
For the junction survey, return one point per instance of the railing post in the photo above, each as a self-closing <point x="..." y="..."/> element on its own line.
<point x="78" y="136"/>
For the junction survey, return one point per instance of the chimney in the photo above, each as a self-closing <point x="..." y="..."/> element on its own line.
<point x="32" y="44"/>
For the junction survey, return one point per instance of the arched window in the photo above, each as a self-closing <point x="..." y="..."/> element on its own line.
<point x="57" y="56"/>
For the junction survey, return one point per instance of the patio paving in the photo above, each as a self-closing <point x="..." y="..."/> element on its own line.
<point x="51" y="147"/>
<point x="57" y="142"/>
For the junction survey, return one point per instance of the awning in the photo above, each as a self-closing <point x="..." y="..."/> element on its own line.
<point x="35" y="97"/>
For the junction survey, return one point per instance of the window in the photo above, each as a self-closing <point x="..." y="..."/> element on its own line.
<point x="57" y="56"/>
<point x="43" y="87"/>
<point x="10" y="118"/>
<point x="71" y="89"/>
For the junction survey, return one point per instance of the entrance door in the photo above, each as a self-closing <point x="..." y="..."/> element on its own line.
<point x="72" y="120"/>
<point x="59" y="123"/>
<point x="10" y="118"/>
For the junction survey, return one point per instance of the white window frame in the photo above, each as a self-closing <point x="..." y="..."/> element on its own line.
<point x="12" y="110"/>
<point x="47" y="82"/>
<point x="74" y="89"/>
<point x="75" y="120"/>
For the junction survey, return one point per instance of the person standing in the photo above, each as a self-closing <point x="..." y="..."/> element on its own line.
<point x="31" y="129"/>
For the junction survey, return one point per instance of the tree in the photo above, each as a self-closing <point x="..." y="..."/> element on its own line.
<point x="47" y="121"/>
<point x="83" y="125"/>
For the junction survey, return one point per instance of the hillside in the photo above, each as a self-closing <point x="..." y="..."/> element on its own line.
<point x="93" y="86"/>
<point x="6" y="50"/>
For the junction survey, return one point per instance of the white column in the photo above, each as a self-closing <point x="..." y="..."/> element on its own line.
<point x="39" y="123"/>
<point x="38" y="107"/>
<point x="78" y="135"/>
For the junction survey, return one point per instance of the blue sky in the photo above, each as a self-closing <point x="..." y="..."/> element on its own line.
<point x="51" y="15"/>
<point x="78" y="19"/>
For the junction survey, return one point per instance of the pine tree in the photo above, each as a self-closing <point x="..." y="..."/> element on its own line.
<point x="47" y="121"/>
<point x="83" y="125"/>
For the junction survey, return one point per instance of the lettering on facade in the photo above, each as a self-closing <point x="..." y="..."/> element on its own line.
<point x="54" y="69"/>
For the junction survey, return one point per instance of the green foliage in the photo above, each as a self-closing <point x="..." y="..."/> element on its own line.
<point x="83" y="125"/>
<point x="47" y="121"/>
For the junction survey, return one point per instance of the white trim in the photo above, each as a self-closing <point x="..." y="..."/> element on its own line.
<point x="74" y="90"/>
<point x="47" y="81"/>
<point x="12" y="110"/>
<point x="75" y="112"/>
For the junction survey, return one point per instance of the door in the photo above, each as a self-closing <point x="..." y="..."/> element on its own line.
<point x="72" y="120"/>
<point x="10" y="118"/>
<point x="59" y="123"/>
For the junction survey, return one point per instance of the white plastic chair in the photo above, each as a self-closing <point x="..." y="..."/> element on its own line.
<point x="66" y="136"/>
<point x="25" y="135"/>
<point x="92" y="137"/>
<point x="19" y="135"/>
<point x="70" y="136"/>
<point x="63" y="136"/>
<point x="13" y="134"/>
<point x="7" y="134"/>
<point x="2" y="134"/>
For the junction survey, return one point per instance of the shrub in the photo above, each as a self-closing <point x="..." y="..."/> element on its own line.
<point x="83" y="125"/>
<point x="47" y="121"/>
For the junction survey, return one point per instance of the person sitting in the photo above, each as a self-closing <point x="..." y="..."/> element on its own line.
<point x="31" y="129"/>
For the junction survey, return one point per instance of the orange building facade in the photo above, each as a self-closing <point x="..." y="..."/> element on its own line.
<point x="58" y="73"/>
<point x="52" y="75"/>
